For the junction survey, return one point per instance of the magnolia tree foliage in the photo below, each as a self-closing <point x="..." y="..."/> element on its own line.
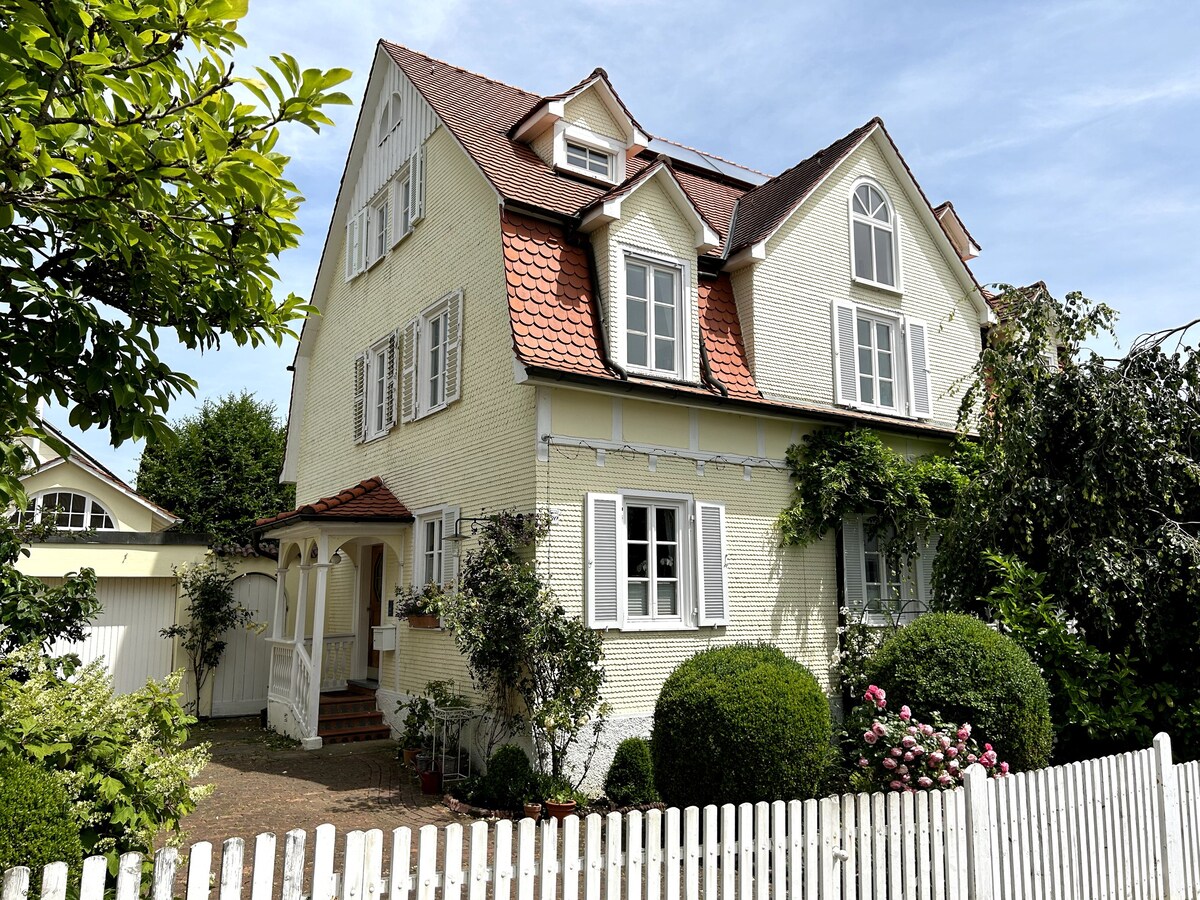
<point x="1091" y="481"/>
<point x="219" y="471"/>
<point x="141" y="194"/>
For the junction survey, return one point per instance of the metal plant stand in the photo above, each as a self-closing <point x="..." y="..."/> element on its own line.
<point x="448" y="722"/>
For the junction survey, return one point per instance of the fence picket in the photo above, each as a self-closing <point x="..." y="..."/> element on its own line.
<point x="745" y="859"/>
<point x="950" y="845"/>
<point x="548" y="848"/>
<point x="924" y="873"/>
<point x="829" y="832"/>
<point x="779" y="882"/>
<point x="232" y="851"/>
<point x="166" y="862"/>
<point x="654" y="855"/>
<point x="849" y="848"/>
<point x="633" y="856"/>
<point x="795" y="864"/>
<point x="502" y="877"/>
<point x="728" y="851"/>
<point x="352" y="871"/>
<point x="762" y="850"/>
<point x="262" y="882"/>
<point x="671" y="855"/>
<point x="129" y="876"/>
<point x="712" y="853"/>
<point x="199" y="870"/>
<point x="1116" y="827"/>
<point x="452" y="871"/>
<point x="95" y="873"/>
<point x="293" y="866"/>
<point x="16" y="883"/>
<point x="477" y="870"/>
<point x="570" y="855"/>
<point x="879" y="850"/>
<point x="908" y="826"/>
<point x="427" y="839"/>
<point x="592" y="855"/>
<point x="526" y="838"/>
<point x="691" y="853"/>
<point x="937" y="850"/>
<point x="400" y="881"/>
<point x="54" y="881"/>
<point x="373" y="865"/>
<point x="612" y="868"/>
<point x="895" y="863"/>
<point x="324" y="847"/>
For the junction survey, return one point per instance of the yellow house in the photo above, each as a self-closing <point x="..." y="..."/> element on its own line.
<point x="530" y="302"/>
<point x="103" y="523"/>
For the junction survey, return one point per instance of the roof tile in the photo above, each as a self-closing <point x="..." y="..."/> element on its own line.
<point x="368" y="500"/>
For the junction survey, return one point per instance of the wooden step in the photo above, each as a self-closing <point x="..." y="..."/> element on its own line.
<point x="340" y="721"/>
<point x="358" y="734"/>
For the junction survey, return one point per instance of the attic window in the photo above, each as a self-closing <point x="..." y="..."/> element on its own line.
<point x="391" y="114"/>
<point x="590" y="160"/>
<point x="65" y="510"/>
<point x="873" y="236"/>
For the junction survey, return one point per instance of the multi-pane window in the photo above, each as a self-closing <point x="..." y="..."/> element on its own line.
<point x="652" y="545"/>
<point x="590" y="160"/>
<point x="431" y="550"/>
<point x="652" y="317"/>
<point x="884" y="588"/>
<point x="876" y="362"/>
<point x="66" y="510"/>
<point x="378" y="390"/>
<point x="873" y="236"/>
<point x="381" y="227"/>
<point x="437" y="329"/>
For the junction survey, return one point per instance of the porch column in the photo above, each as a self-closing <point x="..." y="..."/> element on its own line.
<point x="318" y="633"/>
<point x="301" y="605"/>
<point x="279" y="621"/>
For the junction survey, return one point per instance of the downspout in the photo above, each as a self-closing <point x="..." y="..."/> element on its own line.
<point x="708" y="372"/>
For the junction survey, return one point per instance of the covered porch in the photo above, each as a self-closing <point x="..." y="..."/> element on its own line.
<point x="340" y="559"/>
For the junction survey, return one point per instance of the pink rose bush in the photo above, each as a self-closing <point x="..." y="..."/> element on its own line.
<point x="899" y="753"/>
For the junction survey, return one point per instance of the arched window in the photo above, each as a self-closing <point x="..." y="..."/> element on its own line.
<point x="67" y="510"/>
<point x="391" y="114"/>
<point x="873" y="235"/>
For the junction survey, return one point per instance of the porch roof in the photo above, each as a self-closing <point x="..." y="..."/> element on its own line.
<point x="367" y="501"/>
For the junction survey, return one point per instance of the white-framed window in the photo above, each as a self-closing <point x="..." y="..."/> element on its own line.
<point x="375" y="383"/>
<point x="388" y="218"/>
<point x="435" y="559"/>
<point x="66" y="510"/>
<point x="432" y="372"/>
<point x="654" y="316"/>
<point x="589" y="159"/>
<point x="380" y="218"/>
<point x="655" y="562"/>
<point x="391" y="114"/>
<point x="879" y="587"/>
<point x="881" y="361"/>
<point x="873" y="244"/>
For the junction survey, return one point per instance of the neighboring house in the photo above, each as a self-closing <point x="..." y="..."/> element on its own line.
<point x="103" y="523"/>
<point x="530" y="302"/>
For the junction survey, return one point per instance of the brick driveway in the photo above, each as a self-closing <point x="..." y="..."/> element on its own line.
<point x="265" y="783"/>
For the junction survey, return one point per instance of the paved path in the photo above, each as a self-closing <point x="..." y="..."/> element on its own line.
<point x="266" y="783"/>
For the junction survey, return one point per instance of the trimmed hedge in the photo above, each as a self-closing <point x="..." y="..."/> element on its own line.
<point x="630" y="778"/>
<point x="509" y="780"/>
<point x="37" y="826"/>
<point x="740" y="724"/>
<point x="958" y="667"/>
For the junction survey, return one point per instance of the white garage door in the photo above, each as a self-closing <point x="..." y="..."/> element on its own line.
<point x="240" y="682"/>
<point x="126" y="633"/>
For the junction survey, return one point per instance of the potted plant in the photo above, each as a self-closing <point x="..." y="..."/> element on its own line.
<point x="418" y="727"/>
<point x="421" y="605"/>
<point x="533" y="809"/>
<point x="561" y="803"/>
<point x="431" y="780"/>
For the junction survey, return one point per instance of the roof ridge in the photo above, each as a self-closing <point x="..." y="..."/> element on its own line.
<point x="874" y="120"/>
<point x="449" y="65"/>
<point x="712" y="156"/>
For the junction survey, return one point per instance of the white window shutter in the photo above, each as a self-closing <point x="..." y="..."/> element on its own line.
<point x="351" y="248"/>
<point x="389" y="400"/>
<point x="449" y="548"/>
<point x="399" y="217"/>
<point x="845" y="355"/>
<point x="852" y="565"/>
<point x="416" y="171"/>
<point x="408" y="373"/>
<point x="919" y="401"/>
<point x="360" y="398"/>
<point x="360" y="248"/>
<point x="454" y="318"/>
<point x="603" y="582"/>
<point x="712" y="581"/>
<point x="924" y="564"/>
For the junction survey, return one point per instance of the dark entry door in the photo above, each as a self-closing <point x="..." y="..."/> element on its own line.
<point x="375" y="604"/>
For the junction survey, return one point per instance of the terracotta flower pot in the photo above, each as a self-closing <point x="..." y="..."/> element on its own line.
<point x="533" y="811"/>
<point x="410" y="756"/>
<point x="423" y="622"/>
<point x="431" y="782"/>
<point x="560" y="810"/>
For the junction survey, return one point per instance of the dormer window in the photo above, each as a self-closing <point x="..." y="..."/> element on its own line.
<point x="594" y="161"/>
<point x="873" y="236"/>
<point x="653" y="317"/>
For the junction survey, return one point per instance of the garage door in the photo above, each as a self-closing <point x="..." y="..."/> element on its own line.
<point x="126" y="633"/>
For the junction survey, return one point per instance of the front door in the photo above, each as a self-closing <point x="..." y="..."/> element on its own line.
<point x="374" y="608"/>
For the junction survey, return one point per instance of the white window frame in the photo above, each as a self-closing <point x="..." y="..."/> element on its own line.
<point x="897" y="268"/>
<point x="685" y="618"/>
<point x="440" y="313"/>
<point x="565" y="132"/>
<point x="899" y="351"/>
<point x="379" y="226"/>
<point x="909" y="604"/>
<point x="375" y="399"/>
<point x="388" y="121"/>
<point x="26" y="517"/>
<point x="591" y="156"/>
<point x="683" y="314"/>
<point x="423" y="554"/>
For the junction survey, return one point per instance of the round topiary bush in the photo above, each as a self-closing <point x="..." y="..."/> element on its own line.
<point x="958" y="667"/>
<point x="509" y="780"/>
<point x="740" y="724"/>
<point x="37" y="826"/>
<point x="630" y="778"/>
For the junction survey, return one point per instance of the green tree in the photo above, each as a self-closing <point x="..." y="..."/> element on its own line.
<point x="141" y="194"/>
<point x="1092" y="483"/>
<point x="220" y="469"/>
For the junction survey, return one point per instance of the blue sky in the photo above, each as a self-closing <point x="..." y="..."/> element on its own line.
<point x="1064" y="133"/>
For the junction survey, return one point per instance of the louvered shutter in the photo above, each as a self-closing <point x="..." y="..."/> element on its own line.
<point x="454" y="318"/>
<point x="449" y="548"/>
<point x="852" y="566"/>
<point x="845" y="355"/>
<point x="396" y="205"/>
<point x="416" y="193"/>
<point x="919" y="402"/>
<point x="924" y="563"/>
<point x="360" y="242"/>
<point x="408" y="373"/>
<point x="351" y="248"/>
<point x="389" y="400"/>
<point x="360" y="398"/>
<point x="603" y="581"/>
<point x="712" y="583"/>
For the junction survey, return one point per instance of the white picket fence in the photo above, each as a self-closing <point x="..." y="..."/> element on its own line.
<point x="1125" y="826"/>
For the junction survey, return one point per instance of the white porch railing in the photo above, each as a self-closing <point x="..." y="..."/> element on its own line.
<point x="279" y="685"/>
<point x="301" y="690"/>
<point x="337" y="660"/>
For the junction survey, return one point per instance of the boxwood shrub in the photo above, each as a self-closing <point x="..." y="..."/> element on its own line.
<point x="740" y="724"/>
<point x="958" y="668"/>
<point x="37" y="825"/>
<point x="630" y="778"/>
<point x="509" y="780"/>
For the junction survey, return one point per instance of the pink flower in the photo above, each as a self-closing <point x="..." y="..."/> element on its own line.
<point x="879" y="728"/>
<point x="925" y="781"/>
<point x="896" y="786"/>
<point x="987" y="746"/>
<point x="889" y="763"/>
<point x="952" y="766"/>
<point x="935" y="759"/>
<point x="862" y="762"/>
<point x="908" y="757"/>
<point x="944" y="779"/>
<point x="917" y="750"/>
<point x="870" y="737"/>
<point x="944" y="742"/>
<point x="908" y="742"/>
<point x="912" y="729"/>
<point x="905" y="713"/>
<point x="897" y="752"/>
<point x="927" y="730"/>
<point x="952" y="752"/>
<point x="906" y="778"/>
<point x="1003" y="768"/>
<point x="971" y="757"/>
<point x="902" y="770"/>
<point x="964" y="732"/>
<point x="880" y="693"/>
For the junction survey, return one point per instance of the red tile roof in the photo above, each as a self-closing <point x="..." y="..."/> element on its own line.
<point x="722" y="333"/>
<point x="550" y="299"/>
<point x="367" y="501"/>
<point x="596" y="73"/>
